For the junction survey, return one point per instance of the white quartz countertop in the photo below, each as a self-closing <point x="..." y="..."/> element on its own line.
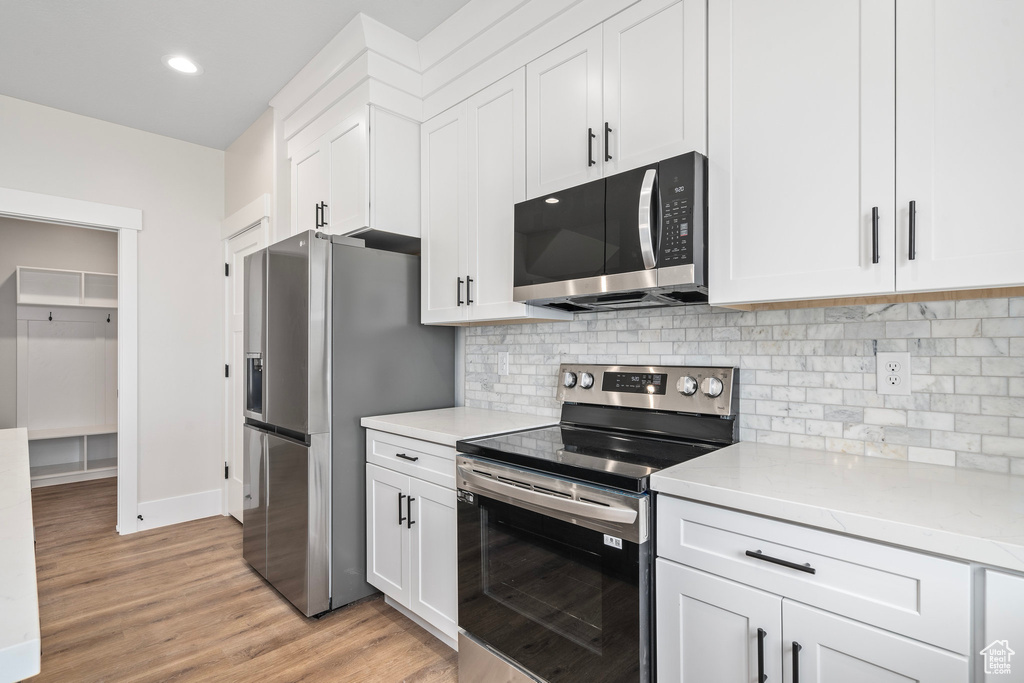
<point x="19" y="601"/>
<point x="448" y="425"/>
<point x="966" y="514"/>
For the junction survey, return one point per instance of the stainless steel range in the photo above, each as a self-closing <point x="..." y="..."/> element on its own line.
<point x="555" y="540"/>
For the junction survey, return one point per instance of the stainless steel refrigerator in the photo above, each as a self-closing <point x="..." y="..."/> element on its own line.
<point x="332" y="334"/>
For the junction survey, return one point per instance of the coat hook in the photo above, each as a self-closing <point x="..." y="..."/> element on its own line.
<point x="108" y="317"/>
<point x="51" y="315"/>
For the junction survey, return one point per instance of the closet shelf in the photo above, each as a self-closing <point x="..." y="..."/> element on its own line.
<point x="53" y="287"/>
<point x="65" y="432"/>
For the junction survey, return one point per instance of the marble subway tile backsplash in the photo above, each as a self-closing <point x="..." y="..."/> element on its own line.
<point x="807" y="375"/>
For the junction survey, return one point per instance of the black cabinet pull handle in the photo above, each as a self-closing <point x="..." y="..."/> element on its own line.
<point x="761" y="633"/>
<point x="758" y="555"/>
<point x="323" y="214"/>
<point x="469" y="292"/>
<point x="874" y="234"/>
<point x="458" y="296"/>
<point x="590" y="147"/>
<point x="408" y="508"/>
<point x="913" y="230"/>
<point x="607" y="150"/>
<point x="318" y="216"/>
<point x="796" y="662"/>
<point x="410" y="458"/>
<point x="401" y="519"/>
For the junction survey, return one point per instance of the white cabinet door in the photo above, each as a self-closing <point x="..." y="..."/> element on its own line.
<point x="832" y="649"/>
<point x="497" y="180"/>
<point x="387" y="543"/>
<point x="347" y="207"/>
<point x="394" y="173"/>
<point x="434" y="554"/>
<point x="564" y="142"/>
<point x="960" y="143"/>
<point x="443" y="260"/>
<point x="801" y="132"/>
<point x="1002" y="629"/>
<point x="310" y="185"/>
<point x="708" y="628"/>
<point x="654" y="83"/>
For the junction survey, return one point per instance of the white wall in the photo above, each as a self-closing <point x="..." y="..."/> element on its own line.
<point x="24" y="243"/>
<point x="249" y="164"/>
<point x="179" y="187"/>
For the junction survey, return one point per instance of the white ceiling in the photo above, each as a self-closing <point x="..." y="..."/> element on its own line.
<point x="102" y="58"/>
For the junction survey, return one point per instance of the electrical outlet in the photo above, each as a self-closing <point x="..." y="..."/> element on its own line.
<point x="503" y="363"/>
<point x="892" y="373"/>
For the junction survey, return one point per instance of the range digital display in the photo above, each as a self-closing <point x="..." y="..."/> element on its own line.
<point x="634" y="382"/>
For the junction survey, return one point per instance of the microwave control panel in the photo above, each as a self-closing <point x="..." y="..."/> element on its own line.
<point x="681" y="190"/>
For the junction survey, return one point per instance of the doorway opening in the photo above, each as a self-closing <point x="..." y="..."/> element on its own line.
<point x="58" y="347"/>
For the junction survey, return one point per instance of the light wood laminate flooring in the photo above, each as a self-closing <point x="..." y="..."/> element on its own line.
<point x="179" y="604"/>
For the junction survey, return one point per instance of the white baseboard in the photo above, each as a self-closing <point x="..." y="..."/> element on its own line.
<point x="157" y="513"/>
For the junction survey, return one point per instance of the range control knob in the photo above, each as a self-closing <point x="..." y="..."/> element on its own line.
<point x="712" y="387"/>
<point x="586" y="380"/>
<point x="687" y="386"/>
<point x="569" y="380"/>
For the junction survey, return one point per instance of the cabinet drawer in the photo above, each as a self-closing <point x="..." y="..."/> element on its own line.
<point x="429" y="461"/>
<point x="921" y="596"/>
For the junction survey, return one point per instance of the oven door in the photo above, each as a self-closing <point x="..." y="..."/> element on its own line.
<point x="562" y="590"/>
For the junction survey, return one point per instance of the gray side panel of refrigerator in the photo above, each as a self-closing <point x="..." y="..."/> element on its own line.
<point x="384" y="362"/>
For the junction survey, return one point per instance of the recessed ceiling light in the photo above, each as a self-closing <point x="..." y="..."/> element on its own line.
<point x="182" y="64"/>
<point x="551" y="200"/>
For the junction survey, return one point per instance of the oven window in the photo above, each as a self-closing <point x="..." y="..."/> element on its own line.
<point x="553" y="596"/>
<point x="554" y="584"/>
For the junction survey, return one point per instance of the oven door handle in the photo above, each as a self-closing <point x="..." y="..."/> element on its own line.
<point x="570" y="506"/>
<point x="644" y="219"/>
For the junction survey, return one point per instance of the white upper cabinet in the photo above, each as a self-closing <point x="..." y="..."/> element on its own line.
<point x="473" y="160"/>
<point x="626" y="93"/>
<point x="349" y="204"/>
<point x="959" y="143"/>
<point x="310" y="186"/>
<point x="801" y="132"/>
<point x="654" y="84"/>
<point x="443" y="242"/>
<point x="360" y="174"/>
<point x="563" y="118"/>
<point x="821" y="112"/>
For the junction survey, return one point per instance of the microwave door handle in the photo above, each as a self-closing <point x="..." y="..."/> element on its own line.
<point x="644" y="219"/>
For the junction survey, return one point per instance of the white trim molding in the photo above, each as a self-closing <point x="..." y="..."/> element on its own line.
<point x="33" y="206"/>
<point x="44" y="208"/>
<point x="247" y="217"/>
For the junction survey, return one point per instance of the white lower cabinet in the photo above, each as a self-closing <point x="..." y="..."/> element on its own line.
<point x="410" y="545"/>
<point x="709" y="628"/>
<point x="740" y="597"/>
<point x="1000" y="627"/>
<point x="831" y="649"/>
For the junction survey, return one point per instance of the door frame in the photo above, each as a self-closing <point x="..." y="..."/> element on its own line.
<point x="255" y="215"/>
<point x="43" y="208"/>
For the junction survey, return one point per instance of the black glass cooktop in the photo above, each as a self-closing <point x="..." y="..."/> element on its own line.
<point x="618" y="460"/>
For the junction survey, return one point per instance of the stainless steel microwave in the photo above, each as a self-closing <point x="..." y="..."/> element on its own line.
<point x="632" y="240"/>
